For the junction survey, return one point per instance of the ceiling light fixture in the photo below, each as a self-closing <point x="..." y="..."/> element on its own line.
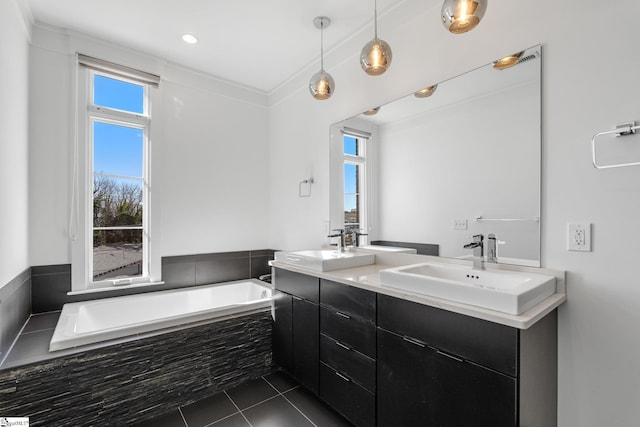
<point x="375" y="57"/>
<point x="507" y="61"/>
<point x="189" y="38"/>
<point x="460" y="16"/>
<point x="426" y="92"/>
<point x="372" y="112"/>
<point x="321" y="84"/>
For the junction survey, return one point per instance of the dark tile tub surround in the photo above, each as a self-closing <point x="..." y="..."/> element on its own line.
<point x="51" y="283"/>
<point x="140" y="379"/>
<point x="190" y="270"/>
<point x="15" y="308"/>
<point x="421" y="248"/>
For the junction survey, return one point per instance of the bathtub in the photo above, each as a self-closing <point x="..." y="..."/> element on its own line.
<point x="89" y="322"/>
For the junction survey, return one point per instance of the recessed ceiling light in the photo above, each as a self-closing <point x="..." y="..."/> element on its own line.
<point x="189" y="38"/>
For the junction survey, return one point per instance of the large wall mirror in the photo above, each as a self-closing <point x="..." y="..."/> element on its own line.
<point x="438" y="168"/>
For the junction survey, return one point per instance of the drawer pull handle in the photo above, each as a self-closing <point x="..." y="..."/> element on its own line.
<point x="343" y="346"/>
<point x="450" y="356"/>
<point x="343" y="377"/>
<point x="414" y="342"/>
<point x="346" y="316"/>
<point x="296" y="298"/>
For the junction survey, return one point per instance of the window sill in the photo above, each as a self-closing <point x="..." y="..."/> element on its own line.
<point x="112" y="288"/>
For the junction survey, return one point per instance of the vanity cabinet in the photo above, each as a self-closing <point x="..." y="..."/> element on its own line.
<point x="348" y="351"/>
<point x="296" y="327"/>
<point x="438" y="368"/>
<point x="386" y="361"/>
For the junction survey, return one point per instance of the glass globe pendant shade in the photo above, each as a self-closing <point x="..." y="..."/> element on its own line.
<point x="321" y="85"/>
<point x="375" y="57"/>
<point x="507" y="61"/>
<point x="460" y="16"/>
<point x="426" y="92"/>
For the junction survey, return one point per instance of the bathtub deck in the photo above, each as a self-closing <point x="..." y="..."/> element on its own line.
<point x="32" y="345"/>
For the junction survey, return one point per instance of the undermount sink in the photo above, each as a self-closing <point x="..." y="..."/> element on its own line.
<point x="512" y="292"/>
<point x="325" y="260"/>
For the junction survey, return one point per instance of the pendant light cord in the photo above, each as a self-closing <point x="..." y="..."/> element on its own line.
<point x="375" y="18"/>
<point x="321" y="45"/>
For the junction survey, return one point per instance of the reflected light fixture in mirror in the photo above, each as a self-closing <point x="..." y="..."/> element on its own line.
<point x="376" y="55"/>
<point x="321" y="84"/>
<point x="507" y="61"/>
<point x="372" y="112"/>
<point x="460" y="16"/>
<point x="426" y="92"/>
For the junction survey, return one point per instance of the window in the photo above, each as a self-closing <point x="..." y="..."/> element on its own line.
<point x="119" y="129"/>
<point x="113" y="178"/>
<point x="354" y="149"/>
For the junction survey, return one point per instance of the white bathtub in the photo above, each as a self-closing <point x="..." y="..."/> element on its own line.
<point x="89" y="322"/>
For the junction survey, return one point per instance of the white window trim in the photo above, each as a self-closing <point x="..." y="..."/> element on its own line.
<point x="81" y="223"/>
<point x="361" y="161"/>
<point x="336" y="175"/>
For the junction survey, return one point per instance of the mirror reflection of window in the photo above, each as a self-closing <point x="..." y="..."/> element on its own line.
<point x="354" y="181"/>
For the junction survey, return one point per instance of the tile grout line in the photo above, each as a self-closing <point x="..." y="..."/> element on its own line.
<point x="299" y="410"/>
<point x="290" y="403"/>
<point x="184" y="420"/>
<point x="238" y="408"/>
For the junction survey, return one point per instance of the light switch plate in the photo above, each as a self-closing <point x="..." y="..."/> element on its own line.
<point x="459" y="224"/>
<point x="579" y="237"/>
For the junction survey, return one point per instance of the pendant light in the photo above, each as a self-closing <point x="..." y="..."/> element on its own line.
<point x="321" y="84"/>
<point x="426" y="92"/>
<point x="460" y="16"/>
<point x="507" y="61"/>
<point x="375" y="57"/>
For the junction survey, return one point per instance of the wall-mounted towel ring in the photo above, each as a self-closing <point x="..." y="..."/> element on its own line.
<point x="306" y="181"/>
<point x="620" y="130"/>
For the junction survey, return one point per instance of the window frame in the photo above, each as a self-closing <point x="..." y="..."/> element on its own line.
<point x="82" y="206"/>
<point x="359" y="160"/>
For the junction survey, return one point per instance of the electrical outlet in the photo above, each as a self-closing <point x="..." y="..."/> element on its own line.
<point x="579" y="237"/>
<point x="459" y="224"/>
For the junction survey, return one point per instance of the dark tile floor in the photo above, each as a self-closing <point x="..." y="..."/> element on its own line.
<point x="275" y="400"/>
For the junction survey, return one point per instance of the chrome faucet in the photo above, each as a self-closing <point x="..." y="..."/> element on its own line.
<point x="492" y="248"/>
<point x="478" y="251"/>
<point x="355" y="237"/>
<point x="340" y="234"/>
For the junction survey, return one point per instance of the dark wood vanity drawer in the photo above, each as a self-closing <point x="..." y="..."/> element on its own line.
<point x="356" y="403"/>
<point x="344" y="359"/>
<point x="486" y="343"/>
<point x="301" y="285"/>
<point x="349" y="300"/>
<point x="354" y="333"/>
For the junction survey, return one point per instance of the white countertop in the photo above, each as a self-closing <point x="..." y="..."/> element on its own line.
<point x="368" y="277"/>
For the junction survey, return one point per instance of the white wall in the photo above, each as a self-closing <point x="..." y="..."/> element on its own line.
<point x="210" y="153"/>
<point x="14" y="179"/>
<point x="590" y="69"/>
<point x="476" y="157"/>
